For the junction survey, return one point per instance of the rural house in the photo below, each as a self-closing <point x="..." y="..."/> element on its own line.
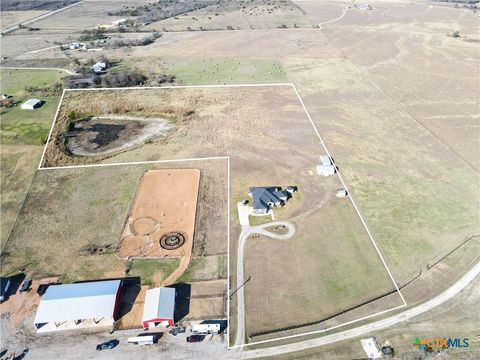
<point x="265" y="197"/>
<point x="99" y="67"/>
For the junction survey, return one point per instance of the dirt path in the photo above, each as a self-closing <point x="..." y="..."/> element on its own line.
<point x="38" y="68"/>
<point x="184" y="261"/>
<point x="334" y="20"/>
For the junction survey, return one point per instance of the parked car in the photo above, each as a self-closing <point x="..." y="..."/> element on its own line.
<point x="176" y="330"/>
<point x="107" y="345"/>
<point x="195" y="338"/>
<point x="26" y="285"/>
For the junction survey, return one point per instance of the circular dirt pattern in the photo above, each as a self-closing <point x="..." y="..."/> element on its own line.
<point x="144" y="226"/>
<point x="172" y="241"/>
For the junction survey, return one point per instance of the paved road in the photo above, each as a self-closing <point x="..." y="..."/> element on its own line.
<point x="242" y="239"/>
<point x="365" y="329"/>
<point x="40" y="17"/>
<point x="39" y="68"/>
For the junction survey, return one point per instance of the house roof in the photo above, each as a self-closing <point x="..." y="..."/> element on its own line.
<point x="32" y="102"/>
<point x="159" y="303"/>
<point x="78" y="301"/>
<point x="265" y="195"/>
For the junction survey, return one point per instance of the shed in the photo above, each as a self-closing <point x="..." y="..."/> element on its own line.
<point x="326" y="170"/>
<point x="31" y="104"/>
<point x="88" y="304"/>
<point x="159" y="307"/>
<point x="326" y="160"/>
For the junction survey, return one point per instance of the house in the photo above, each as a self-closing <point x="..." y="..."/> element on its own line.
<point x="74" y="45"/>
<point x="265" y="197"/>
<point x="78" y="305"/>
<point x="99" y="67"/>
<point x="80" y="83"/>
<point x="31" y="104"/>
<point x="159" y="307"/>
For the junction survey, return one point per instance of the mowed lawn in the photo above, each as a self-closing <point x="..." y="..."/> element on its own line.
<point x="226" y="71"/>
<point x="328" y="266"/>
<point x="22" y="135"/>
<point x="28" y="127"/>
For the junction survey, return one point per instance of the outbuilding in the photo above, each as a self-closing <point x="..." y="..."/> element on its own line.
<point x="159" y="307"/>
<point x="326" y="170"/>
<point x="79" y="305"/>
<point x="99" y="67"/>
<point x="31" y="104"/>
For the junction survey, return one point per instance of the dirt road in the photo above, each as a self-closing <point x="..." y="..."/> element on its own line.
<point x="242" y="239"/>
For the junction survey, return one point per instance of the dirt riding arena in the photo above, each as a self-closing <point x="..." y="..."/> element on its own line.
<point x="162" y="220"/>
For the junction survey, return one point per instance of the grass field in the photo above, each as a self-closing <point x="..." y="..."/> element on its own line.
<point x="420" y="199"/>
<point x="255" y="14"/>
<point x="27" y="127"/>
<point x="226" y="71"/>
<point x="17" y="168"/>
<point x="67" y="211"/>
<point x="22" y="134"/>
<point x="265" y="117"/>
<point x="11" y="18"/>
<point x="152" y="271"/>
<point x="205" y="268"/>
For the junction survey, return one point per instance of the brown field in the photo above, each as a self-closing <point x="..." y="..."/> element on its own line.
<point x="87" y="15"/>
<point x="18" y="166"/>
<point x="256" y="14"/>
<point x="83" y="209"/>
<point x="166" y="203"/>
<point x="325" y="224"/>
<point x="396" y="101"/>
<point x="12" y="18"/>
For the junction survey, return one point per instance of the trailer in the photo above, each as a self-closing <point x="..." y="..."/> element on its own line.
<point x="141" y="340"/>
<point x="205" y="329"/>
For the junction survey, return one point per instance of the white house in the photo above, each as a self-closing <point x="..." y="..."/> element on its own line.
<point x="74" y="45"/>
<point x="31" y="104"/>
<point x="99" y="67"/>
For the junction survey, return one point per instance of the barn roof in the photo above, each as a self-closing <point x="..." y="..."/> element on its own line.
<point x="78" y="301"/>
<point x="159" y="304"/>
<point x="32" y="102"/>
